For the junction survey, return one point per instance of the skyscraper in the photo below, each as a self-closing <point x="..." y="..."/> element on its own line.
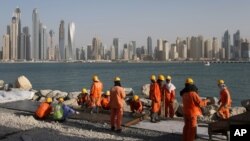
<point x="227" y="45"/>
<point x="96" y="48"/>
<point x="71" y="38"/>
<point x="27" y="43"/>
<point x="35" y="35"/>
<point x="116" y="44"/>
<point x="51" y="49"/>
<point x="17" y="14"/>
<point x="216" y="48"/>
<point x="13" y="39"/>
<point x="149" y="46"/>
<point x="42" y="42"/>
<point x="62" y="40"/>
<point x="208" y="53"/>
<point x="6" y="47"/>
<point x="237" y="45"/>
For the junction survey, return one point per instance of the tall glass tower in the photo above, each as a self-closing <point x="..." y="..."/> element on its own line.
<point x="227" y="45"/>
<point x="62" y="40"/>
<point x="149" y="46"/>
<point x="35" y="35"/>
<point x="71" y="36"/>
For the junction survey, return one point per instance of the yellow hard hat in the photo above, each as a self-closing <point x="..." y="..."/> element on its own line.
<point x="107" y="93"/>
<point x="153" y="77"/>
<point x="84" y="91"/>
<point x="220" y="82"/>
<point x="60" y="99"/>
<point x="168" y="77"/>
<point x="161" y="77"/>
<point x="95" y="78"/>
<point x="49" y="100"/>
<point x="189" y="81"/>
<point x="136" y="97"/>
<point x="117" y="79"/>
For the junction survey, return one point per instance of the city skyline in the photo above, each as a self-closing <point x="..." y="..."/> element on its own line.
<point x="134" y="20"/>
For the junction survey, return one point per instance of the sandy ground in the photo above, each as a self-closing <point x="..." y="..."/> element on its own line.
<point x="21" y="126"/>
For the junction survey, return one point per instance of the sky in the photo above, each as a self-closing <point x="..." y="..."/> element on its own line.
<point x="134" y="19"/>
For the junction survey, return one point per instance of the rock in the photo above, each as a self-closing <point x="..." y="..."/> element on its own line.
<point x="73" y="95"/>
<point x="45" y="92"/>
<point x="52" y="94"/>
<point x="23" y="83"/>
<point x="129" y="91"/>
<point x="126" y="107"/>
<point x="146" y="102"/>
<point x="42" y="99"/>
<point x="246" y="104"/>
<point x="179" y="111"/>
<point x="209" y="110"/>
<point x="213" y="100"/>
<point x="35" y="97"/>
<point x="61" y="94"/>
<point x="145" y="90"/>
<point x="176" y="105"/>
<point x="1" y="84"/>
<point x="237" y="110"/>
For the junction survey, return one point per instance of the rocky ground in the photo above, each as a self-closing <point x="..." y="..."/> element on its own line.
<point x="16" y="125"/>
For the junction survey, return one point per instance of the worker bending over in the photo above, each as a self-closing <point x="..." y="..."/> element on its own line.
<point x="44" y="109"/>
<point x="105" y="101"/>
<point x="136" y="105"/>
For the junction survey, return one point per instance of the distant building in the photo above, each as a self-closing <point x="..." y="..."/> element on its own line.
<point x="14" y="39"/>
<point x="226" y="44"/>
<point x="196" y="48"/>
<point x="42" y="42"/>
<point x="245" y="50"/>
<point x="35" y="35"/>
<point x="112" y="52"/>
<point x="116" y="44"/>
<point x="51" y="49"/>
<point x="236" y="45"/>
<point x="71" y="38"/>
<point x="208" y="49"/>
<point x="125" y="52"/>
<point x="27" y="43"/>
<point x="17" y="14"/>
<point x="62" y="40"/>
<point x="96" y="49"/>
<point x="216" y="48"/>
<point x="6" y="47"/>
<point x="149" y="46"/>
<point x="89" y="52"/>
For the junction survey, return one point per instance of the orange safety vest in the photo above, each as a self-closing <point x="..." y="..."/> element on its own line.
<point x="155" y="96"/>
<point x="43" y="110"/>
<point x="117" y="95"/>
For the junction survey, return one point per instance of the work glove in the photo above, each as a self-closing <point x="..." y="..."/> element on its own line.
<point x="77" y="113"/>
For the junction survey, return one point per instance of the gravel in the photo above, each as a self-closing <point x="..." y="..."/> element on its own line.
<point x="17" y="125"/>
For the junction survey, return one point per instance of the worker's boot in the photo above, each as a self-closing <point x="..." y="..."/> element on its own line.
<point x="153" y="115"/>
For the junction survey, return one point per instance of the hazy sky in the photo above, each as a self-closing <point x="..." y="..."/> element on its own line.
<point x="134" y="19"/>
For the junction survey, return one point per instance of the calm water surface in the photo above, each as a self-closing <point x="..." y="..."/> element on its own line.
<point x="72" y="76"/>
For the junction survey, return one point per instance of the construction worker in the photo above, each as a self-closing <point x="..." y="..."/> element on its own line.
<point x="105" y="101"/>
<point x="62" y="111"/>
<point x="83" y="98"/>
<point x="155" y="96"/>
<point x="191" y="109"/>
<point x="95" y="94"/>
<point x="225" y="100"/>
<point x="136" y="105"/>
<point x="44" y="109"/>
<point x="160" y="81"/>
<point x="169" y="93"/>
<point x="117" y="95"/>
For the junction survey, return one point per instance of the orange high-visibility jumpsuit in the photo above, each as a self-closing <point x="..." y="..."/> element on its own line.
<point x="105" y="103"/>
<point x="191" y="109"/>
<point x="155" y="96"/>
<point x="96" y="93"/>
<point x="117" y="95"/>
<point x="225" y="100"/>
<point x="169" y="100"/>
<point x="43" y="110"/>
<point x="136" y="106"/>
<point x="83" y="99"/>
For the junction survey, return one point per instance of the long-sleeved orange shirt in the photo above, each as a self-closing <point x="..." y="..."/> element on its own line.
<point x="117" y="95"/>
<point x="136" y="105"/>
<point x="192" y="103"/>
<point x="169" y="94"/>
<point x="225" y="97"/>
<point x="96" y="89"/>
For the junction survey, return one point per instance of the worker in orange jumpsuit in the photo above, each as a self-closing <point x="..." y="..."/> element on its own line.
<point x="169" y="91"/>
<point x="155" y="96"/>
<point x="83" y="99"/>
<point x="44" y="109"/>
<point x="191" y="109"/>
<point x="117" y="95"/>
<point x="95" y="94"/>
<point x="160" y="81"/>
<point x="136" y="105"/>
<point x="225" y="101"/>
<point x="105" y="101"/>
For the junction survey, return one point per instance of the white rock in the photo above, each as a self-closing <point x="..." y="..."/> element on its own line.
<point x="35" y="97"/>
<point x="52" y="94"/>
<point x="45" y="92"/>
<point x="179" y="111"/>
<point x="42" y="99"/>
<point x="176" y="105"/>
<point x="73" y="95"/>
<point x="209" y="110"/>
<point x="213" y="100"/>
<point x="246" y="104"/>
<point x="129" y="91"/>
<point x="61" y="94"/>
<point x="237" y="110"/>
<point x="145" y="89"/>
<point x="23" y="83"/>
<point x="70" y="102"/>
<point x="146" y="102"/>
